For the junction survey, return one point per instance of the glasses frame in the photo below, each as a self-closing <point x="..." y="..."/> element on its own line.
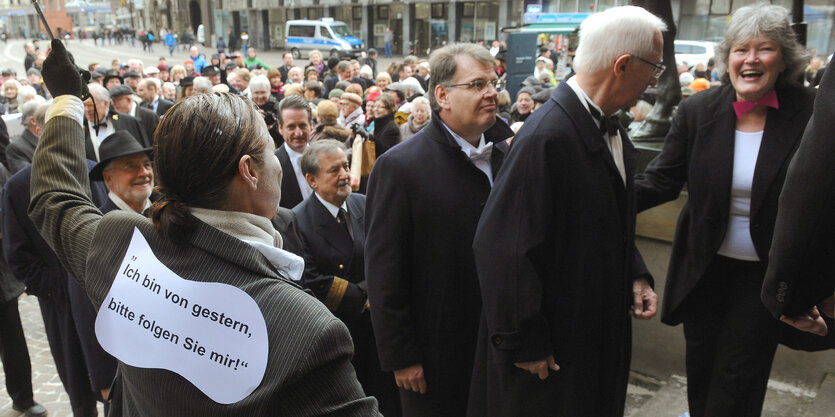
<point x="496" y="83"/>
<point x="659" y="68"/>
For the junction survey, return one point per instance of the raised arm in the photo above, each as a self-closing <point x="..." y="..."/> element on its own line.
<point x="61" y="206"/>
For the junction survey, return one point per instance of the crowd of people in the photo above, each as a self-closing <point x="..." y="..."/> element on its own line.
<point x="486" y="265"/>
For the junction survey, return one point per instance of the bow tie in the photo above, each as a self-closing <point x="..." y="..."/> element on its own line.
<point x="483" y="153"/>
<point x="742" y="107"/>
<point x="608" y="124"/>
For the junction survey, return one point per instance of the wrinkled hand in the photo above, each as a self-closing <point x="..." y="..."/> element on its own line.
<point x="61" y="75"/>
<point x="411" y="378"/>
<point x="539" y="368"/>
<point x="645" y="301"/>
<point x="810" y="321"/>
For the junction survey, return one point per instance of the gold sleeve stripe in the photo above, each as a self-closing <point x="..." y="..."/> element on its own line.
<point x="334" y="297"/>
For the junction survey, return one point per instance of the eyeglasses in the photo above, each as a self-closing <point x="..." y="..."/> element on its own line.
<point x="481" y="86"/>
<point x="659" y="68"/>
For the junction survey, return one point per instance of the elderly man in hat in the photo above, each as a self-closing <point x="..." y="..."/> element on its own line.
<point x="124" y="102"/>
<point x="212" y="72"/>
<point x="102" y="120"/>
<point x="112" y="79"/>
<point x="132" y="79"/>
<point x="125" y="167"/>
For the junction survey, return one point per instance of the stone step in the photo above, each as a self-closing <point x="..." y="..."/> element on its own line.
<point x="781" y="400"/>
<point x="824" y="404"/>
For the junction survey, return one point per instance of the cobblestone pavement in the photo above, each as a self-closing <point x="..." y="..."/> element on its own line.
<point x="48" y="389"/>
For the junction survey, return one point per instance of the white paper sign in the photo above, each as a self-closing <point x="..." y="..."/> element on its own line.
<point x="212" y="334"/>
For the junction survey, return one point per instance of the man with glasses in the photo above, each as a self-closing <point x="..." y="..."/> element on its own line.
<point x="424" y="200"/>
<point x="555" y="251"/>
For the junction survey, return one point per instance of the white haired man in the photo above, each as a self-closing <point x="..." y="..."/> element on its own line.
<point x="558" y="269"/>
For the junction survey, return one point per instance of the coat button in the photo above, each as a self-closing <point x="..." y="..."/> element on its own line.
<point x="497" y="340"/>
<point x="341" y="267"/>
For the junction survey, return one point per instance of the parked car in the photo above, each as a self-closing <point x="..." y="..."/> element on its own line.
<point x="326" y="35"/>
<point x="693" y="52"/>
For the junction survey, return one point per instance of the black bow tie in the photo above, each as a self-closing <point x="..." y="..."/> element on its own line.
<point x="608" y="124"/>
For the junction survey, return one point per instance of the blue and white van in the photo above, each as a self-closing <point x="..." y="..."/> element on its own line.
<point x="327" y="35"/>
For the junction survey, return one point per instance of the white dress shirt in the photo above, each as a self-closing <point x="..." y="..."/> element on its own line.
<point x="104" y="132"/>
<point x="479" y="156"/>
<point x="332" y="209"/>
<point x="614" y="141"/>
<point x="295" y="160"/>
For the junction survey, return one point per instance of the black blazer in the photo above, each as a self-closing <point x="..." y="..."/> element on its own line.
<point x="149" y="121"/>
<point x="556" y="263"/>
<point x="333" y="262"/>
<point x="386" y="134"/>
<point x="291" y="193"/>
<point x="802" y="253"/>
<point x="285" y="222"/>
<point x="424" y="200"/>
<point x="120" y="121"/>
<point x="698" y="151"/>
<point x="162" y="106"/>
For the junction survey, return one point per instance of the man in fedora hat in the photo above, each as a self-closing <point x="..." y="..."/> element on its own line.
<point x="123" y="101"/>
<point x="112" y="78"/>
<point x="125" y="167"/>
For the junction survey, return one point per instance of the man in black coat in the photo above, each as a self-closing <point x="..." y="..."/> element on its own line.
<point x="799" y="275"/>
<point x="152" y="98"/>
<point x="21" y="149"/>
<point x="345" y="72"/>
<point x="33" y="262"/>
<point x="108" y="122"/>
<point x="555" y="250"/>
<point x="424" y="200"/>
<point x="294" y="124"/>
<point x="332" y="226"/>
<point x="121" y="97"/>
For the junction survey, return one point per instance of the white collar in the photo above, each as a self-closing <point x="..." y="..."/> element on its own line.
<point x="291" y="153"/>
<point x="334" y="210"/>
<point x="123" y="205"/>
<point x="466" y="147"/>
<point x="584" y="98"/>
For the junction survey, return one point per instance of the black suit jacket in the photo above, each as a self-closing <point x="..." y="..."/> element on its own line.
<point x="283" y="70"/>
<point x="556" y="263"/>
<point x="331" y="82"/>
<point x="149" y="121"/>
<point x="120" y="121"/>
<point x="333" y="262"/>
<point x="285" y="222"/>
<point x="698" y="151"/>
<point x="163" y="106"/>
<point x="424" y="200"/>
<point x="800" y="267"/>
<point x="291" y="194"/>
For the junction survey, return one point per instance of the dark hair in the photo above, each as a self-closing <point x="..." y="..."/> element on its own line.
<point x="197" y="147"/>
<point x="314" y="86"/>
<point x="293" y="102"/>
<point x="388" y="101"/>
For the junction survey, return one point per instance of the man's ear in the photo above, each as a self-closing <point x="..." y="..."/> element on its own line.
<point x="246" y="171"/>
<point x="620" y="65"/>
<point x="441" y="97"/>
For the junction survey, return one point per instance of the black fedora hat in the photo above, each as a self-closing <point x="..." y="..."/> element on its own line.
<point x="118" y="144"/>
<point x="112" y="74"/>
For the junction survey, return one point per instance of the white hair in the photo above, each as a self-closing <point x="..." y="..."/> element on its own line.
<point x="421" y="102"/>
<point x="98" y="92"/>
<point x="259" y="82"/>
<point x="26" y="93"/>
<point x="202" y="85"/>
<point x="220" y="88"/>
<point x="366" y="70"/>
<point x="607" y="35"/>
<point x="11" y="83"/>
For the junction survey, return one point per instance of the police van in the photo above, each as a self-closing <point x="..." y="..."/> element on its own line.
<point x="327" y="35"/>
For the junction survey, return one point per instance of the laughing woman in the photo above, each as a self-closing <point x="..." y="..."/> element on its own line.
<point x="731" y="145"/>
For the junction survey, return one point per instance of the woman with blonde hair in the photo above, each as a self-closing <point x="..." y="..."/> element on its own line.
<point x="178" y="72"/>
<point x="383" y="80"/>
<point x="418" y="118"/>
<point x="9" y="99"/>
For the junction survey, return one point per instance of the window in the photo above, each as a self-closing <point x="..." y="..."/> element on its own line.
<point x="301" y="31"/>
<point x="325" y="33"/>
